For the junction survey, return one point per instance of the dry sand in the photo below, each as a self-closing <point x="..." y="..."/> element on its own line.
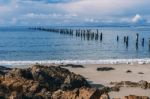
<point x="119" y="74"/>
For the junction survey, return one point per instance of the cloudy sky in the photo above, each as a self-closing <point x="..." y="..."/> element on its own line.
<point x="74" y="12"/>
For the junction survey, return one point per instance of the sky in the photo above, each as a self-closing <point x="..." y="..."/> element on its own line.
<point x="74" y="12"/>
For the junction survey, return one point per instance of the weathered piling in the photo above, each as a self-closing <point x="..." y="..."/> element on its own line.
<point x="88" y="36"/>
<point x="101" y="36"/>
<point x="96" y="36"/>
<point x="143" y="42"/>
<point x="137" y="40"/>
<point x="127" y="41"/>
<point x="137" y="37"/>
<point x="92" y="36"/>
<point x="117" y="38"/>
<point x="137" y="46"/>
<point x="149" y="44"/>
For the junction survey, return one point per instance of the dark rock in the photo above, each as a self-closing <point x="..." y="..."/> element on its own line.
<point x="143" y="84"/>
<point x="105" y="69"/>
<point x="140" y="73"/>
<point x="82" y="93"/>
<point x="136" y="97"/>
<point x="4" y="70"/>
<point x="66" y="86"/>
<point x="39" y="82"/>
<point x="20" y="73"/>
<point x="125" y="83"/>
<point x="128" y="71"/>
<point x="115" y="88"/>
<point x="72" y="65"/>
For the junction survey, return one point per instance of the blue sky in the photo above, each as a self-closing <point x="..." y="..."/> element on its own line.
<point x="74" y="12"/>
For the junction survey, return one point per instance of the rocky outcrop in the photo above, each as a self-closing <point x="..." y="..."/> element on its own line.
<point x="45" y="82"/>
<point x="135" y="97"/>
<point x="56" y="77"/>
<point x="142" y="84"/>
<point x="82" y="93"/>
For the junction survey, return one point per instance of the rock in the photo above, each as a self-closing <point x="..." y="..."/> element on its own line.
<point x="15" y="95"/>
<point x="125" y="83"/>
<point x="131" y="84"/>
<point x="105" y="69"/>
<point x="76" y="81"/>
<point x="65" y="86"/>
<point x="53" y="76"/>
<point x="128" y="71"/>
<point x="90" y="93"/>
<point x="105" y="89"/>
<point x="2" y="95"/>
<point x="104" y="96"/>
<point x="4" y="70"/>
<point x="140" y="73"/>
<point x="143" y="84"/>
<point x="20" y="73"/>
<point x="35" y="88"/>
<point x="82" y="93"/>
<point x="115" y="88"/>
<point x="148" y="85"/>
<point x="136" y="97"/>
<point x="39" y="82"/>
<point x="72" y="66"/>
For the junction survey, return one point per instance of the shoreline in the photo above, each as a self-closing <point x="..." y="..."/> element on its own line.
<point x="82" y="62"/>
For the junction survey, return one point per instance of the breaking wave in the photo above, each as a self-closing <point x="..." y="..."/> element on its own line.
<point x="108" y="61"/>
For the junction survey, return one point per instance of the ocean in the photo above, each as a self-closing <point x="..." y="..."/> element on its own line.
<point x="21" y="45"/>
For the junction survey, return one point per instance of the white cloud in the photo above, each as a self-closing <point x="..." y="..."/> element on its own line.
<point x="139" y="19"/>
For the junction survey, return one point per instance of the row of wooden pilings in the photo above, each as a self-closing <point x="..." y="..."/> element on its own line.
<point x="88" y="34"/>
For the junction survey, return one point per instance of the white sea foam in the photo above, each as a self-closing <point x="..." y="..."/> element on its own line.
<point x="108" y="61"/>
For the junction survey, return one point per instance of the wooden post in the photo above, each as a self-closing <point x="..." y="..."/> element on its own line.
<point x="137" y="37"/>
<point x="101" y="36"/>
<point x="143" y="42"/>
<point x="96" y="36"/>
<point x="117" y="38"/>
<point x="136" y="45"/>
<point x="127" y="41"/>
<point x="149" y="44"/>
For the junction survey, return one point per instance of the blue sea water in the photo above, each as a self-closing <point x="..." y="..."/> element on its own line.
<point x="23" y="44"/>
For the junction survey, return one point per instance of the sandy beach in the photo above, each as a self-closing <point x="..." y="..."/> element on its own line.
<point x="111" y="80"/>
<point x="98" y="78"/>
